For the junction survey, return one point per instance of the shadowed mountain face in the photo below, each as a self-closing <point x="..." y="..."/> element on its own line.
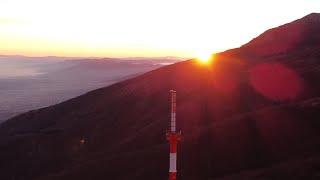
<point x="253" y="113"/>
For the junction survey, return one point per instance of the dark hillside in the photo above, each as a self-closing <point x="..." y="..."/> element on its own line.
<point x="248" y="114"/>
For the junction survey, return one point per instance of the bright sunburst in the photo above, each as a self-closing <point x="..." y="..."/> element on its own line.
<point x="204" y="57"/>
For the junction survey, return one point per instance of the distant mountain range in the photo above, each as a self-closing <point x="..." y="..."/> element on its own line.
<point x="34" y="82"/>
<point x="253" y="113"/>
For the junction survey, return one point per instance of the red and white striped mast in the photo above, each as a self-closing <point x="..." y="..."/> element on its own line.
<point x="173" y="137"/>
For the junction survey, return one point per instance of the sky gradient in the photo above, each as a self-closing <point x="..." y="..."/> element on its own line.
<point x="126" y="28"/>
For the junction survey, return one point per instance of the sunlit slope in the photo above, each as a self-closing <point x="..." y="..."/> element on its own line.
<point x="236" y="114"/>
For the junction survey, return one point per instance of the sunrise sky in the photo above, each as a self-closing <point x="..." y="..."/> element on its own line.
<point x="123" y="28"/>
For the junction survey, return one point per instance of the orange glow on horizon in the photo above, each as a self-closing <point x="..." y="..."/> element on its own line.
<point x="205" y="58"/>
<point x="127" y="28"/>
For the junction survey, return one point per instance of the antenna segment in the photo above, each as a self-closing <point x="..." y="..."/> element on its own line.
<point x="173" y="137"/>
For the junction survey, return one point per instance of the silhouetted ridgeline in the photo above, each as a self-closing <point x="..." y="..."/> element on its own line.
<point x="254" y="113"/>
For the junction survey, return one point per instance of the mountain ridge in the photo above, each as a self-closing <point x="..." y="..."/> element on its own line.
<point x="288" y="37"/>
<point x="230" y="121"/>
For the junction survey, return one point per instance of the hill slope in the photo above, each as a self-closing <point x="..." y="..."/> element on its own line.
<point x="248" y="114"/>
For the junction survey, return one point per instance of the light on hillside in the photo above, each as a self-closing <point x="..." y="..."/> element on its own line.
<point x="205" y="57"/>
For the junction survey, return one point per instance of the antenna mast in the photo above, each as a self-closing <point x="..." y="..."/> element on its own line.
<point x="173" y="137"/>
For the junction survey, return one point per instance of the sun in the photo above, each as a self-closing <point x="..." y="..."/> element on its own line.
<point x="204" y="57"/>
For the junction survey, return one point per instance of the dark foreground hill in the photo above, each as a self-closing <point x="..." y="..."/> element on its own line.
<point x="252" y="114"/>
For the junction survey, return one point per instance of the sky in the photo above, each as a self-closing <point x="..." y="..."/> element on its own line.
<point x="139" y="28"/>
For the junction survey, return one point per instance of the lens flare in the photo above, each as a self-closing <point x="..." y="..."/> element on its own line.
<point x="276" y="81"/>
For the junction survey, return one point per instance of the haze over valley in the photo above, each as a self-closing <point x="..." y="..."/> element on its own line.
<point x="246" y="113"/>
<point x="28" y="83"/>
<point x="159" y="89"/>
